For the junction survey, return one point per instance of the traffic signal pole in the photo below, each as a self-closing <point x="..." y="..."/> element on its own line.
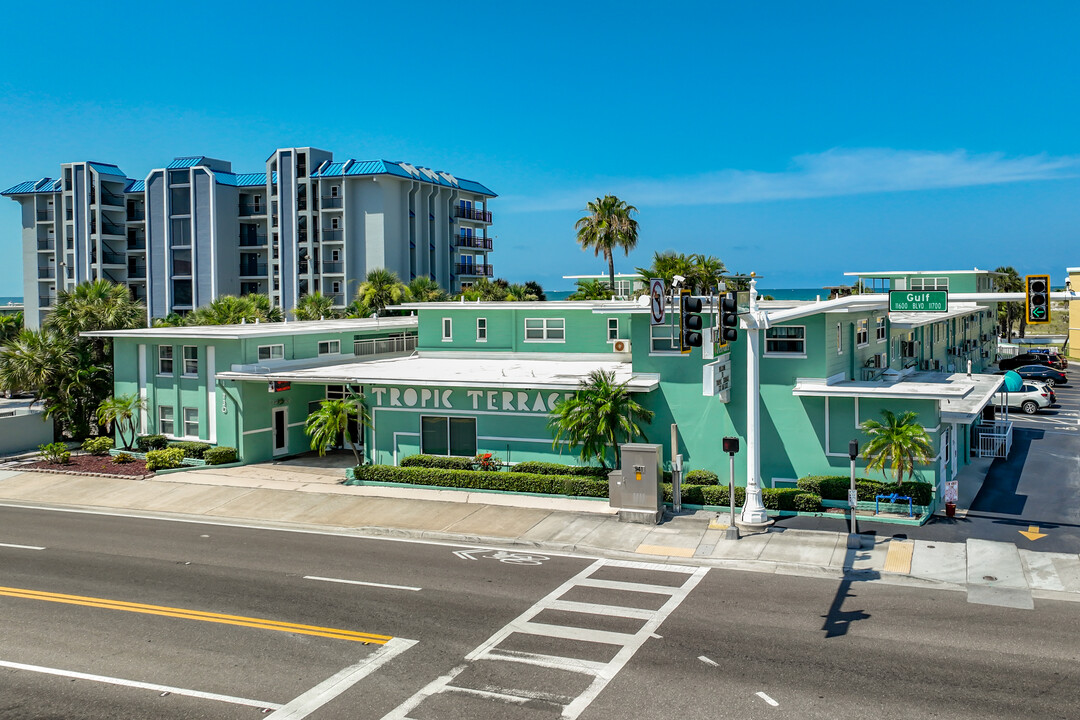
<point x="753" y="515"/>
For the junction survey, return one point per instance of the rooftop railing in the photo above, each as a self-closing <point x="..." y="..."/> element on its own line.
<point x="381" y="346"/>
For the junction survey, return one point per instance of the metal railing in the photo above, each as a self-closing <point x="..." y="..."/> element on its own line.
<point x="46" y="273"/>
<point x="995" y="441"/>
<point x="252" y="241"/>
<point x="473" y="269"/>
<point x="380" y="346"/>
<point x="108" y="228"/>
<point x="45" y="215"/>
<point x="332" y="235"/>
<point x="136" y="215"/>
<point x="139" y="244"/>
<point x="253" y="269"/>
<point x="137" y="272"/>
<point x="338" y="299"/>
<point x="113" y="258"/>
<point x="249" y="209"/>
<point x="472" y="214"/>
<point x="108" y="198"/>
<point x="470" y="241"/>
<point x="46" y="300"/>
<point x="330" y="202"/>
<point x="333" y="267"/>
<point x="181" y="268"/>
<point x="46" y="244"/>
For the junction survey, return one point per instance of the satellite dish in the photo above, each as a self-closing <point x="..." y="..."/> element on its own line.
<point x="1013" y="381"/>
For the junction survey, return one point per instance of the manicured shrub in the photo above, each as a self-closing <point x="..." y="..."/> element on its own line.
<point x="437" y="461"/>
<point x="835" y="487"/>
<point x="807" y="502"/>
<point x="706" y="494"/>
<point x="701" y="477"/>
<point x="98" y="445"/>
<point x="480" y="480"/>
<point x="547" y="468"/>
<point x="55" y="453"/>
<point x="151" y="442"/>
<point x="192" y="449"/>
<point x="123" y="458"/>
<point x="220" y="455"/>
<point x="779" y="498"/>
<point x="164" y="459"/>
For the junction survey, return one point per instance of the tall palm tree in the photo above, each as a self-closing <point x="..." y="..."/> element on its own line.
<point x="591" y="290"/>
<point x="35" y="361"/>
<point x="121" y="411"/>
<point x="609" y="225"/>
<point x="424" y="289"/>
<point x="314" y="306"/>
<point x="1009" y="312"/>
<point x="333" y="419"/>
<point x="264" y="309"/>
<point x="96" y="305"/>
<point x="708" y="272"/>
<point x="600" y="415"/>
<point x="518" y="293"/>
<point x="380" y="289"/>
<point x="226" y="310"/>
<point x="900" y="441"/>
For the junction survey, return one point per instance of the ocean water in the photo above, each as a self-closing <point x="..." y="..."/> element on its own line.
<point x="6" y="300"/>
<point x="777" y="293"/>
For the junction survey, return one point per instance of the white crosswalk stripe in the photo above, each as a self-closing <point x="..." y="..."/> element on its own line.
<point x="599" y="673"/>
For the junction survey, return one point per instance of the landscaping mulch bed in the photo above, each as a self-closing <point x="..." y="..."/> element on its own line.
<point x="96" y="464"/>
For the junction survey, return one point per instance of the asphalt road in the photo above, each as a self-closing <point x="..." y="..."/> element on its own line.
<point x="671" y="643"/>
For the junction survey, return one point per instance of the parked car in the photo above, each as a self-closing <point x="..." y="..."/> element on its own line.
<point x="1022" y="359"/>
<point x="1057" y="360"/>
<point x="1048" y="375"/>
<point x="1029" y="399"/>
<point x="1047" y="386"/>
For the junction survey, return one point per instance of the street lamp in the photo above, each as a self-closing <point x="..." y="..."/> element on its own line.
<point x="853" y="497"/>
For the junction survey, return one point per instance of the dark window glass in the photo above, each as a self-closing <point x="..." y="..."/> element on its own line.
<point x="463" y="436"/>
<point x="433" y="436"/>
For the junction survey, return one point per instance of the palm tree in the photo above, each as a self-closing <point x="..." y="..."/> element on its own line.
<point x="36" y="360"/>
<point x="332" y="420"/>
<point x="315" y="306"/>
<point x="708" y="272"/>
<point x="1009" y="312"/>
<point x="225" y="310"/>
<point x="424" y="289"/>
<point x="609" y="225"/>
<point x="170" y="320"/>
<point x="666" y="265"/>
<point x="900" y="441"/>
<point x="10" y="325"/>
<point x="518" y="293"/>
<point x="485" y="291"/>
<point x="96" y="305"/>
<point x="599" y="415"/>
<point x="535" y="288"/>
<point x="380" y="289"/>
<point x="264" y="309"/>
<point x="121" y="411"/>
<point x="591" y="290"/>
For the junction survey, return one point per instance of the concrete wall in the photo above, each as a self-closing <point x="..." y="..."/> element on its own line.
<point x="24" y="431"/>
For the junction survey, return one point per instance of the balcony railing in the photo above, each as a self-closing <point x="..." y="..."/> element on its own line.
<point x="301" y="203"/>
<point x="137" y="272"/>
<point x="252" y="241"/>
<point x="330" y="202"/>
<point x="136" y="215"/>
<point x="249" y="209"/>
<point x="181" y="268"/>
<point x="139" y="244"/>
<point x="333" y="267"/>
<point x="473" y="269"/>
<point x="46" y="244"/>
<point x="45" y="215"/>
<point x="469" y="241"/>
<point x="332" y="236"/>
<point x="108" y="228"/>
<point x="108" y="198"/>
<point x="995" y="440"/>
<point x="380" y="346"/>
<point x="46" y="273"/>
<point x="337" y="298"/>
<point x="113" y="258"/>
<point x="46" y="300"/>
<point x="472" y="214"/>
<point x="253" y="269"/>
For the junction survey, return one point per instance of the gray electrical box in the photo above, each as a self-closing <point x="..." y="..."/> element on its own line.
<point x="634" y="489"/>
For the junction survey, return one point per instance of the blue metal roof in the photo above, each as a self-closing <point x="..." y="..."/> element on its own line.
<point x="136" y="186"/>
<point x="241" y="179"/>
<point x="107" y="169"/>
<point x="44" y="185"/>
<point x="184" y="162"/>
<point x="352" y="168"/>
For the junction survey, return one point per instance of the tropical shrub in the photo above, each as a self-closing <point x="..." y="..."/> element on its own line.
<point x="98" y="445"/>
<point x="600" y="415"/>
<point x="55" y="453"/>
<point x="152" y="442"/>
<point x="701" y="477"/>
<point x="220" y="455"/>
<point x="164" y="459"/>
<point x="486" y="462"/>
<point x="437" y="461"/>
<point x="333" y="420"/>
<point x="479" y="480"/>
<point x="192" y="449"/>
<point x="123" y="458"/>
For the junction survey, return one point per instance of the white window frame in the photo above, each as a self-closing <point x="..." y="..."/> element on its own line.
<point x="335" y="287"/>
<point x="612" y="329"/>
<point x="548" y="326"/>
<point x="839" y="338"/>
<point x="335" y="256"/>
<point x="270" y="352"/>
<point x="195" y="435"/>
<point x="170" y="359"/>
<point x="333" y="347"/>
<point x="786" y="353"/>
<point x="334" y="190"/>
<point x="862" y="332"/>
<point x="162" y="420"/>
<point x="481" y="330"/>
<point x="447" y="329"/>
<point x="879" y="331"/>
<point x="333" y="223"/>
<point x="186" y="360"/>
<point x="928" y="283"/>
<point x="657" y="333"/>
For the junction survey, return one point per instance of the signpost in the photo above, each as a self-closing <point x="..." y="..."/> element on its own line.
<point x="918" y="301"/>
<point x="657" y="300"/>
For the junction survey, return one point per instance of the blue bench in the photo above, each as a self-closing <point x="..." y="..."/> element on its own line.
<point x="892" y="498"/>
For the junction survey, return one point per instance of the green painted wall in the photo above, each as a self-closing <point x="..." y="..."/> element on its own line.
<point x="584" y="330"/>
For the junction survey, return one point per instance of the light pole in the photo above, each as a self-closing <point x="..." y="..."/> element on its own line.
<point x="731" y="446"/>
<point x="853" y="497"/>
<point x="754" y="517"/>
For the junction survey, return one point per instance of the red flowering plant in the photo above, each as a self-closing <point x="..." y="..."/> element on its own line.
<point x="486" y="461"/>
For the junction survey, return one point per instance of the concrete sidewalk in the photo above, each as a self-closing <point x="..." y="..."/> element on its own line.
<point x="288" y="496"/>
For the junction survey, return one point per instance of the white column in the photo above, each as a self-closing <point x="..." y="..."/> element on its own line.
<point x="142" y="388"/>
<point x="753" y="512"/>
<point x="211" y="395"/>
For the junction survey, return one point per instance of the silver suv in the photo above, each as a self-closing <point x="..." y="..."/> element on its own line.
<point x="1029" y="399"/>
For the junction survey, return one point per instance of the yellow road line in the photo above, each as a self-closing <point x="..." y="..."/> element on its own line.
<point x="186" y="614"/>
<point x="898" y="559"/>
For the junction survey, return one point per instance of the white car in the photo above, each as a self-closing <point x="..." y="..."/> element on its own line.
<point x="1029" y="399"/>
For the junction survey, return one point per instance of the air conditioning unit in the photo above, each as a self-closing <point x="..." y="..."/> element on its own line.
<point x="620" y="346"/>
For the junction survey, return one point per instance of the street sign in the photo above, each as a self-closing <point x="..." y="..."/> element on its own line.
<point x="852" y="498"/>
<point x="918" y="301"/>
<point x="657" y="300"/>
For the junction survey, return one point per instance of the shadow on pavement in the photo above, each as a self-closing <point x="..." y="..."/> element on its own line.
<point x="838" y="620"/>
<point x="998" y="493"/>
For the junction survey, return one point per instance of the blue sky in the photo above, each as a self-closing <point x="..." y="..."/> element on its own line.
<point x="793" y="139"/>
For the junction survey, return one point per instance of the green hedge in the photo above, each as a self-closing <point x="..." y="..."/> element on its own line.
<point x="164" y="459"/>
<point x="437" y="461"/>
<point x="546" y="468"/>
<point x="476" y="480"/>
<point x="192" y="449"/>
<point x="151" y="442"/>
<point x="701" y="477"/>
<point x="792" y="499"/>
<point x="835" y="487"/>
<point x="220" y="455"/>
<point x="706" y="494"/>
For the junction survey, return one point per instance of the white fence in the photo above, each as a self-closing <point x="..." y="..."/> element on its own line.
<point x="382" y="346"/>
<point x="995" y="441"/>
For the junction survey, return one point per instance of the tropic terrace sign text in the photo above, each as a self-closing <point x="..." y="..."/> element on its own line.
<point x="918" y="301"/>
<point x="521" y="401"/>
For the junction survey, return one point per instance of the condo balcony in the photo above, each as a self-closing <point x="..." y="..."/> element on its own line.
<point x="330" y="202"/>
<point x="137" y="244"/>
<point x="469" y="241"/>
<point x="45" y="215"/>
<point x="109" y="258"/>
<point x="253" y="240"/>
<point x="108" y="228"/>
<point x="46" y="300"/>
<point x="46" y="273"/>
<point x="472" y="214"/>
<point x="473" y="270"/>
<point x="332" y="236"/>
<point x="333" y="268"/>
<point x="136" y="215"/>
<point x="47" y="244"/>
<point x="108" y="198"/>
<point x="252" y="269"/>
<point x="136" y="272"/>
<point x="251" y="209"/>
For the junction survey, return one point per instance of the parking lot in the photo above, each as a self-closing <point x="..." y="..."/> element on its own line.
<point x="1061" y="417"/>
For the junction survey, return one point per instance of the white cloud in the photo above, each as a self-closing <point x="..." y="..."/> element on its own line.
<point x="829" y="174"/>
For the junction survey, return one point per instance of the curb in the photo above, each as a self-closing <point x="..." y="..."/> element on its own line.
<point x="86" y="474"/>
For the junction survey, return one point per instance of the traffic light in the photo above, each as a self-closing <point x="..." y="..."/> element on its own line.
<point x="729" y="319"/>
<point x="1037" y="301"/>
<point x="689" y="321"/>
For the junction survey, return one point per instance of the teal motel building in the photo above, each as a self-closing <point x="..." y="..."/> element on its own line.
<point x="461" y="378"/>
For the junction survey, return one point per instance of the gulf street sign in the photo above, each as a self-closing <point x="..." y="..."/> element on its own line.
<point x="918" y="301"/>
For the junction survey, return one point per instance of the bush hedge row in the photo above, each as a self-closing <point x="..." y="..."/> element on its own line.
<point x="835" y="487"/>
<point x="791" y="499"/>
<point x="192" y="449"/>
<point x="437" y="461"/>
<point x="547" y="468"/>
<point x="219" y="455"/>
<point x="701" y="477"/>
<point x="147" y="443"/>
<point x="473" y="480"/>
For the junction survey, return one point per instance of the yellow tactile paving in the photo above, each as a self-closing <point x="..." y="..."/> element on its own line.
<point x="898" y="559"/>
<point x="665" y="550"/>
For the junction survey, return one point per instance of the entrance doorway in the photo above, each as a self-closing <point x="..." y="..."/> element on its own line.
<point x="281" y="431"/>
